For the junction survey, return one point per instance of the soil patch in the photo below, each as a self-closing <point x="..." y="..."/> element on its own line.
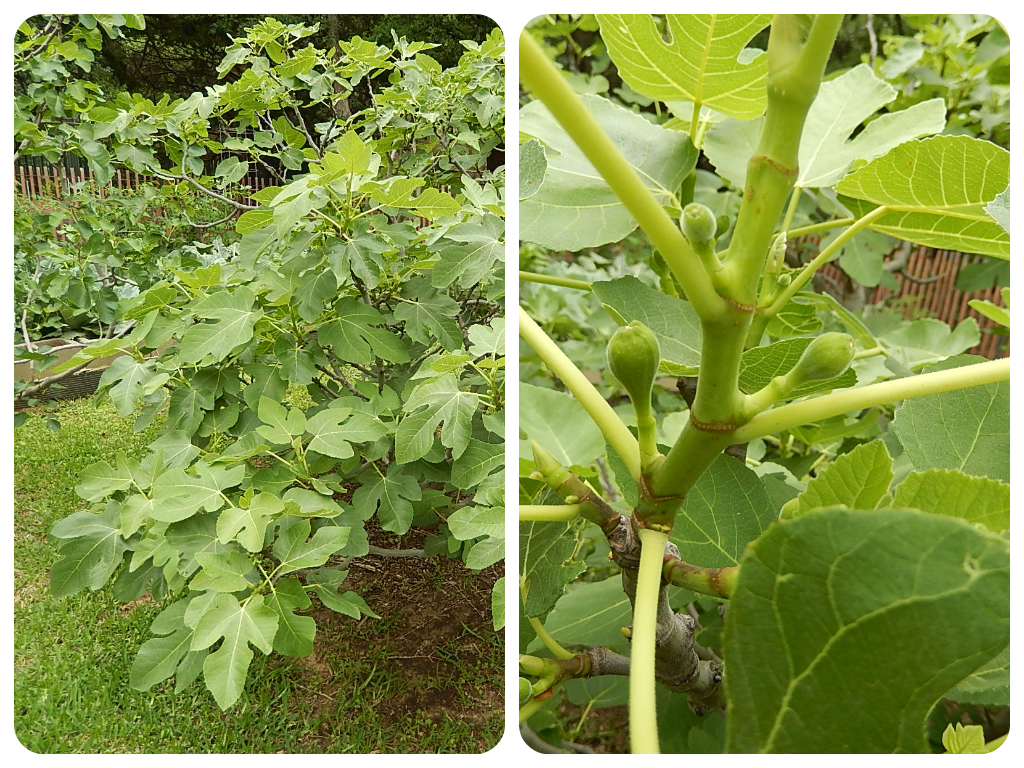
<point x="422" y="660"/>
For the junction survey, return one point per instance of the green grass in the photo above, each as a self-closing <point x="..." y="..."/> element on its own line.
<point x="73" y="656"/>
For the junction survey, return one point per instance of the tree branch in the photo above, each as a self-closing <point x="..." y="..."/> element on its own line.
<point x="216" y="196"/>
<point x="615" y="432"/>
<point x="843" y="401"/>
<point x="338" y="377"/>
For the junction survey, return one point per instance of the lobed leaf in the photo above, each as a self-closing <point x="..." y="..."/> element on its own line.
<point x="390" y="497"/>
<point x="443" y="403"/>
<point x="940" y="187"/>
<point x="479" y="460"/>
<point x="859" y="480"/>
<point x="978" y="500"/>
<point x="91" y="558"/>
<point x="295" y="634"/>
<point x="160" y="657"/>
<point x="701" y="59"/>
<point x="295" y="549"/>
<point x="354" y="338"/>
<point x="233" y="310"/>
<point x="726" y="508"/>
<point x="967" y="430"/>
<point x="239" y="625"/>
<point x="546" y="563"/>
<point x="839" y="636"/>
<point x="559" y="424"/>
<point x="336" y="430"/>
<point x="248" y="525"/>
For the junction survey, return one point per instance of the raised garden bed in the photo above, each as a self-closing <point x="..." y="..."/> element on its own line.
<point x="81" y="384"/>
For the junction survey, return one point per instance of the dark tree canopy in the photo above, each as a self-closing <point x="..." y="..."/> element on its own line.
<point x="177" y="54"/>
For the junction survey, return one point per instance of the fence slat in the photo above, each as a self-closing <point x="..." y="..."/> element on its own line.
<point x="940" y="298"/>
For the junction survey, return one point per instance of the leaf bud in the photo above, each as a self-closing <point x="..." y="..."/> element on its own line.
<point x="545" y="462"/>
<point x="828" y="356"/>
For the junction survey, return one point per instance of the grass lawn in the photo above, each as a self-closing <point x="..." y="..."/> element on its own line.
<point x="425" y="677"/>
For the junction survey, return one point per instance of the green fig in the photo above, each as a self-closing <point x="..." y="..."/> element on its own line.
<point x="828" y="356"/>
<point x="633" y="356"/>
<point x="699" y="224"/>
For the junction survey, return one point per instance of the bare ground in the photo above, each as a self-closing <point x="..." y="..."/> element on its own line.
<point x="435" y="624"/>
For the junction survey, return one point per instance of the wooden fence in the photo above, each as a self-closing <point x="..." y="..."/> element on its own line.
<point x="927" y="287"/>
<point x="44" y="180"/>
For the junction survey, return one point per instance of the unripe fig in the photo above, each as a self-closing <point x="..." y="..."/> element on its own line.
<point x="525" y="691"/>
<point x="633" y="356"/>
<point x="698" y="223"/>
<point x="826" y="357"/>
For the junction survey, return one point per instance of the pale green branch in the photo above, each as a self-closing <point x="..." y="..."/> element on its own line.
<point x="611" y="426"/>
<point x="562" y="282"/>
<point x="547" y="512"/>
<point x="643" y="715"/>
<point x="846" y="400"/>
<point x="547" y="84"/>
<point x="823" y="257"/>
<point x="810" y="229"/>
<point x="549" y="642"/>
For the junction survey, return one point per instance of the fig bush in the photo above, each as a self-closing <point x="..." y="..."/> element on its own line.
<point x="347" y="364"/>
<point x="77" y="256"/>
<point x="807" y="514"/>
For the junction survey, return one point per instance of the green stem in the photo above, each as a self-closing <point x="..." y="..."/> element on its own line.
<point x="822" y="258"/>
<point x="546" y="512"/>
<point x="611" y="426"/>
<point x="864" y="353"/>
<point x="692" y="453"/>
<point x="719" y="399"/>
<point x="794" y="202"/>
<point x="647" y="434"/>
<point x="549" y="642"/>
<point x="267" y="577"/>
<point x="844" y="401"/>
<point x="794" y="74"/>
<point x="546" y="83"/>
<point x="574" y="490"/>
<point x="810" y="229"/>
<point x="768" y="395"/>
<point x="687" y="188"/>
<point x="718" y="582"/>
<point x="530" y="708"/>
<point x="563" y="282"/>
<point x="643" y="715"/>
<point x="338" y="227"/>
